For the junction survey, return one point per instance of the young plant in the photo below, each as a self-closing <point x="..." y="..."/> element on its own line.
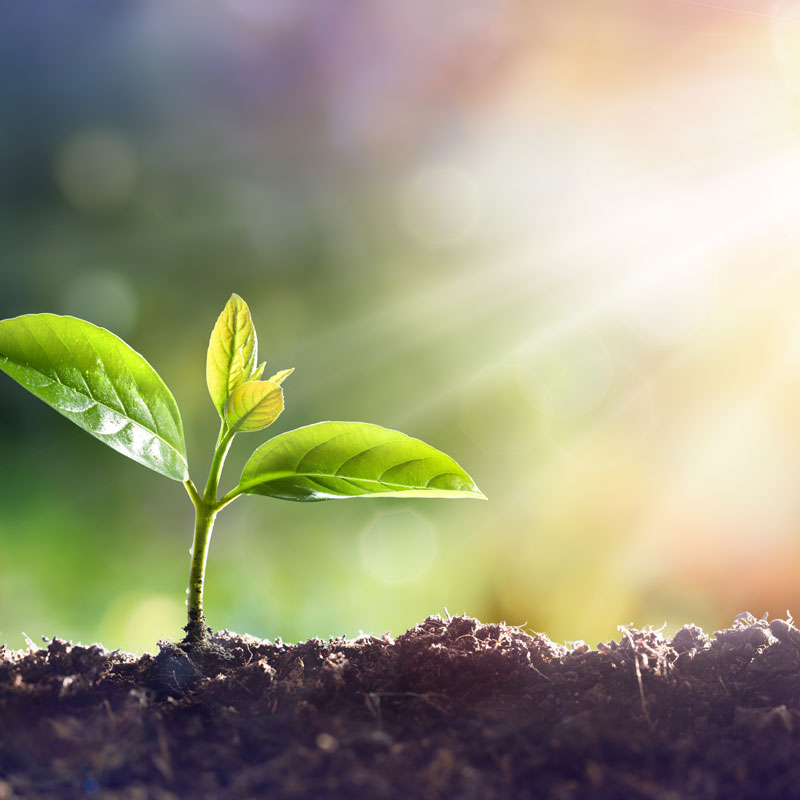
<point x="100" y="383"/>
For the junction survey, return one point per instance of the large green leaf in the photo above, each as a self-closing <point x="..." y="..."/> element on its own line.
<point x="332" y="460"/>
<point x="253" y="406"/>
<point x="93" y="378"/>
<point x="232" y="352"/>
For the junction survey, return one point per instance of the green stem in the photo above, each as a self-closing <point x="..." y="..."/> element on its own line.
<point x="229" y="497"/>
<point x="194" y="495"/>
<point x="223" y="445"/>
<point x="196" y="629"/>
<point x="206" y="508"/>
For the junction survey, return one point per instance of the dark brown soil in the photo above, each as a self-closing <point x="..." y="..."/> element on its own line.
<point x="450" y="709"/>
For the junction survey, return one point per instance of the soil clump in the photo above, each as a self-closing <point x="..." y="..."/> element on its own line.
<point x="450" y="709"/>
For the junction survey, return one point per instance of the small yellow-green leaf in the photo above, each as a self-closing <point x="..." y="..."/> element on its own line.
<point x="280" y="377"/>
<point x="232" y="352"/>
<point x="335" y="460"/>
<point x="253" y="406"/>
<point x="258" y="371"/>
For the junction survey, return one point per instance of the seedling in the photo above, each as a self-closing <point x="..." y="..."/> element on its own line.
<point x="104" y="386"/>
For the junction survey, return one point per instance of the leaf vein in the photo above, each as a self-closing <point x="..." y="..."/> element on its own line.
<point x="359" y="454"/>
<point x="105" y="371"/>
<point x="352" y="481"/>
<point x="327" y="489"/>
<point x="402" y="464"/>
<point x="317" y="447"/>
<point x="439" y="476"/>
<point x="45" y="354"/>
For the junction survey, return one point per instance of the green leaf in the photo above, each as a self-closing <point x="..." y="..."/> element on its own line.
<point x="232" y="352"/>
<point x="253" y="406"/>
<point x="332" y="460"/>
<point x="100" y="383"/>
<point x="280" y="377"/>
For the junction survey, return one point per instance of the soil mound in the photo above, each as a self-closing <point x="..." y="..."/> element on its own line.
<point x="450" y="709"/>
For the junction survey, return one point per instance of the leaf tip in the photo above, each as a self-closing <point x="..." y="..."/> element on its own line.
<point x="282" y="375"/>
<point x="258" y="371"/>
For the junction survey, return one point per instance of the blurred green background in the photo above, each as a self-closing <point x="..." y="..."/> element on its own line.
<point x="558" y="241"/>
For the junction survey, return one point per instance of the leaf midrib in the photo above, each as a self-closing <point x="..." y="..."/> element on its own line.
<point x="275" y="476"/>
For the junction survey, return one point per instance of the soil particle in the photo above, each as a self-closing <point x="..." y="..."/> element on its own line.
<point x="450" y="709"/>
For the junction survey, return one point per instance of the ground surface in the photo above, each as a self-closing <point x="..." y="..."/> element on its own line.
<point x="450" y="709"/>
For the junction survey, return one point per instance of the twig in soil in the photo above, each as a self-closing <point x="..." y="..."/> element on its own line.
<point x="626" y="633"/>
<point x="539" y="672"/>
<point x="373" y="702"/>
<point x="641" y="688"/>
<point x="175" y="680"/>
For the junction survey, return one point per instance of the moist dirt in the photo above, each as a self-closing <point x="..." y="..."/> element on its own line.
<point x="450" y="709"/>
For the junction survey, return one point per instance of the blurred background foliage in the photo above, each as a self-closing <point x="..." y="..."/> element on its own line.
<point x="559" y="241"/>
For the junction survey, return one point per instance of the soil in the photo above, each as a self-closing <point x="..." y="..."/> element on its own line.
<point x="450" y="709"/>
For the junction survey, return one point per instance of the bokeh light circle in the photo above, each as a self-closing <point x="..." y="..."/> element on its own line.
<point x="96" y="170"/>
<point x="398" y="547"/>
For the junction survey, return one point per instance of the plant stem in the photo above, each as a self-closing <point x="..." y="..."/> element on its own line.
<point x="223" y="445"/>
<point x="206" y="508"/>
<point x="229" y="497"/>
<point x="196" y="629"/>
